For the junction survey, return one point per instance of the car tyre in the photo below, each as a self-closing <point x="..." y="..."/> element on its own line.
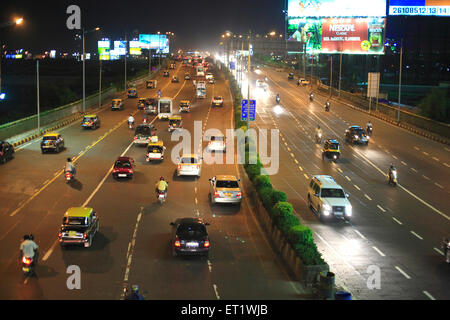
<point x="309" y="202"/>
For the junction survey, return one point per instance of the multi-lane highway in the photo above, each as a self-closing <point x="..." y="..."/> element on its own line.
<point x="132" y="245"/>
<point x="396" y="230"/>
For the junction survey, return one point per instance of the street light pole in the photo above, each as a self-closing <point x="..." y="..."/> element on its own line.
<point x="38" y="103"/>
<point x="125" y="84"/>
<point x="248" y="81"/>
<point x="340" y="71"/>
<point x="84" y="74"/>
<point x="400" y="81"/>
<point x="100" y="85"/>
<point x="331" y="76"/>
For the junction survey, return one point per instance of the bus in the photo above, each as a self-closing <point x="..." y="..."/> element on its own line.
<point x="164" y="108"/>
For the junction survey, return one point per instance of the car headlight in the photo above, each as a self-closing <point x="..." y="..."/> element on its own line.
<point x="356" y="137"/>
<point x="348" y="210"/>
<point x="327" y="207"/>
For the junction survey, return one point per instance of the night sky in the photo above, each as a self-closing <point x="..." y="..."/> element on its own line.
<point x="196" y="24"/>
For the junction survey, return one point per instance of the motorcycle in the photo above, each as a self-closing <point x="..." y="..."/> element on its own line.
<point x="27" y="266"/>
<point x="446" y="248"/>
<point x="69" y="176"/>
<point x="130" y="124"/>
<point x="311" y="96"/>
<point x="327" y="106"/>
<point x="369" y="131"/>
<point x="161" y="196"/>
<point x="392" y="178"/>
<point x="334" y="156"/>
<point x="278" y="99"/>
<point x="319" y="137"/>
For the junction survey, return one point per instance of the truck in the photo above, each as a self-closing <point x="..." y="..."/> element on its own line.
<point x="164" y="108"/>
<point x="201" y="89"/>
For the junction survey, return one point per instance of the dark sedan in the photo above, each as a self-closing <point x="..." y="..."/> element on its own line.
<point x="189" y="237"/>
<point x="356" y="134"/>
<point x="6" y="151"/>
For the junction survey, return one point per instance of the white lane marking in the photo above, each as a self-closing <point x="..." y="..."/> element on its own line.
<point x="381" y="208"/>
<point x="359" y="233"/>
<point x="292" y="155"/>
<point x="365" y="195"/>
<point x="446" y="164"/>
<point x="426" y="177"/>
<point x="436" y="159"/>
<point x="357" y="187"/>
<point x="217" y="293"/>
<point x="209" y="265"/>
<point x="396" y="220"/>
<point x="403" y="272"/>
<point x="306" y="176"/>
<point x="295" y="160"/>
<point x="301" y="169"/>
<point x="414" y="170"/>
<point x="438" y="251"/>
<point x="196" y="201"/>
<point x="379" y="252"/>
<point x="49" y="252"/>
<point x="404" y="163"/>
<point x="428" y="295"/>
<point x="339" y="169"/>
<point x="346" y="177"/>
<point x="417" y="148"/>
<point x="426" y="153"/>
<point x="419" y="237"/>
<point x="394" y="157"/>
<point x="438" y="185"/>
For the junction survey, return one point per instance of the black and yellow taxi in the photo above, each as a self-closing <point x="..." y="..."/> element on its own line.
<point x="166" y="73"/>
<point x="52" y="141"/>
<point x="78" y="227"/>
<point x="185" y="106"/>
<point x="151" y="84"/>
<point x="90" y="121"/>
<point x="175" y="122"/>
<point x="141" y="103"/>
<point x="175" y="79"/>
<point x="155" y="151"/>
<point x="331" y="149"/>
<point x="132" y="92"/>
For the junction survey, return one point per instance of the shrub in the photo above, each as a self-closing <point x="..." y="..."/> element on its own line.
<point x="300" y="235"/>
<point x="309" y="254"/>
<point x="286" y="222"/>
<point x="252" y="170"/>
<point x="262" y="181"/>
<point x="281" y="209"/>
<point x="266" y="197"/>
<point x="278" y="196"/>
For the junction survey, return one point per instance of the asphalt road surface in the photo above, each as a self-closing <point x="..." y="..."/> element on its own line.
<point x="394" y="230"/>
<point x="132" y="245"/>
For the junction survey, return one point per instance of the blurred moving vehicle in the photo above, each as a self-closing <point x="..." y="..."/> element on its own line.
<point x="143" y="133"/>
<point x="52" y="141"/>
<point x="217" y="143"/>
<point x="90" y="121"/>
<point x="291" y="76"/>
<point x="141" y="103"/>
<point x="189" y="165"/>
<point x="331" y="150"/>
<point x="175" y="79"/>
<point x="187" y="76"/>
<point x="123" y="168"/>
<point x="328" y="199"/>
<point x="164" y="108"/>
<point x="356" y="134"/>
<point x="175" y="122"/>
<point x="225" y="189"/>
<point x="117" y="104"/>
<point x="155" y="151"/>
<point x="132" y="93"/>
<point x="166" y="73"/>
<point x="6" y="151"/>
<point x="217" y="101"/>
<point x="79" y="226"/>
<point x="151" y="84"/>
<point x="190" y="237"/>
<point x="185" y="106"/>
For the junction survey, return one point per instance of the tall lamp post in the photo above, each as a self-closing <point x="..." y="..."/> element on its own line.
<point x="15" y="22"/>
<point x="400" y="80"/>
<point x="84" y="32"/>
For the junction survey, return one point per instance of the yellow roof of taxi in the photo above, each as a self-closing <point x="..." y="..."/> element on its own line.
<point x="51" y="134"/>
<point x="90" y="116"/>
<point x="226" y="178"/>
<point x="175" y="118"/>
<point x="78" y="212"/>
<point x="116" y="99"/>
<point x="158" y="143"/>
<point x="185" y="101"/>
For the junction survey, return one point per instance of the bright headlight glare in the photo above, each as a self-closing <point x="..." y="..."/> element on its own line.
<point x="327" y="207"/>
<point x="348" y="210"/>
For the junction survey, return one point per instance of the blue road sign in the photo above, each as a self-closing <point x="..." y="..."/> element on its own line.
<point x="248" y="110"/>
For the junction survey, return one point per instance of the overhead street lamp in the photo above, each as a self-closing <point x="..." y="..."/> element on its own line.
<point x="14" y="22"/>
<point x="84" y="32"/>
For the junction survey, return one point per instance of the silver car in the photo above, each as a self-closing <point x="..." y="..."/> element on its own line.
<point x="189" y="165"/>
<point x="217" y="143"/>
<point x="225" y="189"/>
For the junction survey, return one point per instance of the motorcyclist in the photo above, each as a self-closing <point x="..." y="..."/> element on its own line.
<point x="391" y="170"/>
<point x="161" y="186"/>
<point x="29" y="248"/>
<point x="131" y="119"/>
<point x="369" y="127"/>
<point x="265" y="79"/>
<point x="327" y="105"/>
<point x="298" y="82"/>
<point x="318" y="131"/>
<point x="159" y="93"/>
<point x="311" y="96"/>
<point x="278" y="97"/>
<point x="145" y="118"/>
<point x="69" y="167"/>
<point x="134" y="295"/>
<point x="446" y="248"/>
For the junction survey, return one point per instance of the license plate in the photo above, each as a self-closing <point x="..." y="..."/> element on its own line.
<point x="228" y="195"/>
<point x="192" y="244"/>
<point x="72" y="233"/>
<point x="26" y="269"/>
<point x="122" y="175"/>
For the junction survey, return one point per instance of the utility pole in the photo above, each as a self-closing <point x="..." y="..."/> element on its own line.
<point x="331" y="76"/>
<point x="248" y="81"/>
<point x="100" y="85"/>
<point x="400" y="80"/>
<point x="340" y="71"/>
<point x="37" y="87"/>
<point x="84" y="73"/>
<point x="149" y="61"/>
<point x="125" y="84"/>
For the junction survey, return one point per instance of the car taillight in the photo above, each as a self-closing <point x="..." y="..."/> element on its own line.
<point x="198" y="166"/>
<point x="177" y="243"/>
<point x="84" y="235"/>
<point x="59" y="235"/>
<point x="130" y="170"/>
<point x="179" y="167"/>
<point x="26" y="260"/>
<point x="206" y="244"/>
<point x="114" y="170"/>
<point x="135" y="138"/>
<point x="216" y="194"/>
<point x="239" y="194"/>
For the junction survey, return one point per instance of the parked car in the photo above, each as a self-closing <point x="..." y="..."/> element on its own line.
<point x="190" y="237"/>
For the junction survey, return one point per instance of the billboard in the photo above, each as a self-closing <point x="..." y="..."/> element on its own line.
<point x="135" y="47"/>
<point x="159" y="42"/>
<point x="120" y="48"/>
<point x="336" y="8"/>
<point x="104" y="49"/>
<point x="419" y="8"/>
<point x="335" y="35"/>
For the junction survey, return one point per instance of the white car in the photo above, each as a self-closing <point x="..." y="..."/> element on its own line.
<point x="217" y="101"/>
<point x="225" y="189"/>
<point x="189" y="165"/>
<point x="328" y="199"/>
<point x="217" y="143"/>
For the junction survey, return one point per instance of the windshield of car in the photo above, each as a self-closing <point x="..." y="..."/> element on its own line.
<point x="75" y="221"/>
<point x="333" y="146"/>
<point x="155" y="149"/>
<point x="88" y="119"/>
<point x="174" y="121"/>
<point x="332" y="193"/>
<point x="358" y="131"/>
<point x="188" y="160"/>
<point x="191" y="230"/>
<point x="50" y="138"/>
<point x="217" y="98"/>
<point x="226" y="184"/>
<point x="144" y="130"/>
<point x="116" y="102"/>
<point x="122" y="164"/>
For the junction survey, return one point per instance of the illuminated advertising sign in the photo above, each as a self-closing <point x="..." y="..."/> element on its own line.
<point x="120" y="48"/>
<point x="419" y="8"/>
<point x="335" y="35"/>
<point x="103" y="49"/>
<point x="135" y="47"/>
<point x="158" y="42"/>
<point x="336" y="8"/>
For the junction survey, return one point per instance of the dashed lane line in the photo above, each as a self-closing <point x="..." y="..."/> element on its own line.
<point x="396" y="220"/>
<point x="428" y="295"/>
<point x="416" y="235"/>
<point x="403" y="272"/>
<point x="381" y="208"/>
<point x="379" y="252"/>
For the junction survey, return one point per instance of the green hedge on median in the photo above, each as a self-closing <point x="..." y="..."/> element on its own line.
<point x="274" y="201"/>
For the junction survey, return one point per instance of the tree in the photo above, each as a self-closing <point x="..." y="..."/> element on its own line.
<point x="435" y="105"/>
